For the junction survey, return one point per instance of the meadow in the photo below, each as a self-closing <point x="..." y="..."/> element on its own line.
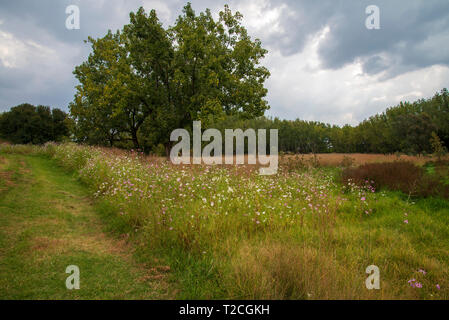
<point x="226" y="232"/>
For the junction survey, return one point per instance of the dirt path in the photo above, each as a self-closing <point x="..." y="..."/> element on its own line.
<point x="48" y="222"/>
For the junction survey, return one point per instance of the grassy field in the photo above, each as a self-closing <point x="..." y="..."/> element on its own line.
<point x="139" y="227"/>
<point x="49" y="222"/>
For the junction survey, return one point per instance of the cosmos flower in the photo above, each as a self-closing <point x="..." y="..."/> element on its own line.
<point x="422" y="271"/>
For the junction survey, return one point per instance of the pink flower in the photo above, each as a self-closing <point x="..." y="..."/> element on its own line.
<point x="422" y="271"/>
<point x="406" y="221"/>
<point x="438" y="286"/>
<point x="363" y="199"/>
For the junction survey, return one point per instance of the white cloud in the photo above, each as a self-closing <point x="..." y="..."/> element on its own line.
<point x="161" y="7"/>
<point x="261" y="17"/>
<point x="16" y="53"/>
<point x="35" y="72"/>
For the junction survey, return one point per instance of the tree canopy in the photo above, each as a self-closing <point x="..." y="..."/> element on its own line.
<point x="26" y="123"/>
<point x="143" y="81"/>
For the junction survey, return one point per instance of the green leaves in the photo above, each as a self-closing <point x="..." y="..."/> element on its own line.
<point x="26" y="123"/>
<point x="198" y="69"/>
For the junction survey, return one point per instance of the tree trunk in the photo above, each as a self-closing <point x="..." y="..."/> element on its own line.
<point x="167" y="146"/>
<point x="135" y="140"/>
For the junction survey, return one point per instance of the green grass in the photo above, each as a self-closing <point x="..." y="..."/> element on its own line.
<point x="224" y="232"/>
<point x="49" y="222"/>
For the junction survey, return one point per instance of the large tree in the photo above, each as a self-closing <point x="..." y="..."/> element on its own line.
<point x="144" y="81"/>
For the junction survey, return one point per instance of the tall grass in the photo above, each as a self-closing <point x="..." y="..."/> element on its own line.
<point x="228" y="232"/>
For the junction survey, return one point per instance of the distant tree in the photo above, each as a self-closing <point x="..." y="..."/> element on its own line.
<point x="26" y="123"/>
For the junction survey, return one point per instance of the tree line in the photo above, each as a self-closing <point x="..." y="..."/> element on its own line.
<point x="414" y="128"/>
<point x="410" y="127"/>
<point x="26" y="124"/>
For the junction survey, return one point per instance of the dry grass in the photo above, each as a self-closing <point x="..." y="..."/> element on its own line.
<point x="336" y="159"/>
<point x="284" y="271"/>
<point x="322" y="159"/>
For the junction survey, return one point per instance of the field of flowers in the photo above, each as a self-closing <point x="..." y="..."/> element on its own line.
<point x="227" y="232"/>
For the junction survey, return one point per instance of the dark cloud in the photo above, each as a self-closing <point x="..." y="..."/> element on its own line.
<point x="411" y="32"/>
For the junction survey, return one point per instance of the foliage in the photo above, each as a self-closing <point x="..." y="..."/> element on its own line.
<point x="26" y="123"/>
<point x="144" y="81"/>
<point x="405" y="128"/>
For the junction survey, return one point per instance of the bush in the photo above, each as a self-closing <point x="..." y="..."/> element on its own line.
<point x="28" y="124"/>
<point x="399" y="175"/>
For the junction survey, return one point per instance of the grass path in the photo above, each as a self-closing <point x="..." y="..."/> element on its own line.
<point x="48" y="222"/>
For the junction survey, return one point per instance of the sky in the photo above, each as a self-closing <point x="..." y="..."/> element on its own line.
<point x="325" y="64"/>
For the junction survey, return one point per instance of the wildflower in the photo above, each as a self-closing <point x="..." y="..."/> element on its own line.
<point x="438" y="286"/>
<point x="406" y="221"/>
<point x="363" y="198"/>
<point x="422" y="271"/>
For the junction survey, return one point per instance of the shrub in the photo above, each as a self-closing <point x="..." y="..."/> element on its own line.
<point x="25" y="124"/>
<point x="399" y="175"/>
